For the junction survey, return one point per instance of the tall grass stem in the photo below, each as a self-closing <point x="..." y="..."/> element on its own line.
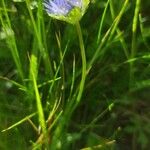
<point x="133" y="46"/>
<point x="82" y="48"/>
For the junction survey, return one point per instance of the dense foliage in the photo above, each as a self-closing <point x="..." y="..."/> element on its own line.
<point x="52" y="98"/>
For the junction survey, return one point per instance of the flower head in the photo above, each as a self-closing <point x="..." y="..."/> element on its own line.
<point x="66" y="10"/>
<point x="57" y="7"/>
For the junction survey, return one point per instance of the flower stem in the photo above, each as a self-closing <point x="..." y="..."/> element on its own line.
<point x="79" y="32"/>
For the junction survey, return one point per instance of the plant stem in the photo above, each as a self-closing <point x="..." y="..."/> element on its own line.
<point x="79" y="32"/>
<point x="133" y="46"/>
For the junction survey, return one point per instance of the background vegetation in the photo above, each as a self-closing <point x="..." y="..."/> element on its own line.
<point x="40" y="77"/>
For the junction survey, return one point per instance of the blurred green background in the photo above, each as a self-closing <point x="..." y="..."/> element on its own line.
<point x="115" y="108"/>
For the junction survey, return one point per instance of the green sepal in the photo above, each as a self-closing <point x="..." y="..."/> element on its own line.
<point x="85" y="6"/>
<point x="72" y="17"/>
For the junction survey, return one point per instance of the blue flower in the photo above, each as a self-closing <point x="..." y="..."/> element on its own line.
<point x="61" y="7"/>
<point x="70" y="11"/>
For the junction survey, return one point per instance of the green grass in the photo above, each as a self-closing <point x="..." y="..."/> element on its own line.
<point x="70" y="87"/>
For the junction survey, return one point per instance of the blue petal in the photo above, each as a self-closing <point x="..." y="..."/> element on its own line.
<point x="57" y="7"/>
<point x="76" y="3"/>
